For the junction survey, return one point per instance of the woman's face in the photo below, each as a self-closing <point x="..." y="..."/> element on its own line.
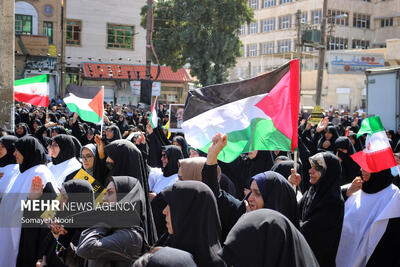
<point x="256" y="200"/>
<point x="252" y="154"/>
<point x="111" y="194"/>
<point x="164" y="159"/>
<point x="3" y="150"/>
<point x="167" y="213"/>
<point x="175" y="143"/>
<point x="328" y="135"/>
<point x="315" y="175"/>
<point x="194" y="153"/>
<point x="109" y="133"/>
<point x="55" y="149"/>
<point x="18" y="156"/>
<point x="87" y="159"/>
<point x="20" y="130"/>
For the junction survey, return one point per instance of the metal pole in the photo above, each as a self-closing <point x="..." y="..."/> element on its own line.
<point x="299" y="44"/>
<point x="149" y="27"/>
<point x="62" y="61"/>
<point x="7" y="63"/>
<point x="322" y="48"/>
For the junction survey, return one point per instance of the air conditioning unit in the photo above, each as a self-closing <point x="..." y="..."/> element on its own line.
<point x="311" y="36"/>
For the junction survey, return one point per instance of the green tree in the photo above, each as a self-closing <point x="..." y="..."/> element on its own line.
<point x="203" y="33"/>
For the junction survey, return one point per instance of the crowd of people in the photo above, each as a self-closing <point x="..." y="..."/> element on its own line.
<point x="266" y="208"/>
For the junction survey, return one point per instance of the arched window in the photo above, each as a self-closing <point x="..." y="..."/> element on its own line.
<point x="26" y="18"/>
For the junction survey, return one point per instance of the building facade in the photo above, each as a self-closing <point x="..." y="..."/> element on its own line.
<point x="38" y="42"/>
<point x="353" y="27"/>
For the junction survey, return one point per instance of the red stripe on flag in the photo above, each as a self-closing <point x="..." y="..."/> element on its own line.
<point x="295" y="99"/>
<point x="36" y="100"/>
<point x="375" y="161"/>
<point x="97" y="103"/>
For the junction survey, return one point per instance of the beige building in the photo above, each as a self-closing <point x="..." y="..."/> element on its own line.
<point x="353" y="28"/>
<point x="38" y="40"/>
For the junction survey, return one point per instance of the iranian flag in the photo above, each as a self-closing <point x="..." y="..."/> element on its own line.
<point x="86" y="101"/>
<point x="256" y="114"/>
<point x="153" y="115"/>
<point x="378" y="154"/>
<point x="33" y="90"/>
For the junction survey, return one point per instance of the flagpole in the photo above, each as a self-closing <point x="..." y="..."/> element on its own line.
<point x="295" y="166"/>
<point x="102" y="116"/>
<point x="47" y="114"/>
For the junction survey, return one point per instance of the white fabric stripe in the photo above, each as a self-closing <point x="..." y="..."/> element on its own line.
<point x="230" y="117"/>
<point x="377" y="141"/>
<point x="154" y="118"/>
<point x="41" y="89"/>
<point x="82" y="103"/>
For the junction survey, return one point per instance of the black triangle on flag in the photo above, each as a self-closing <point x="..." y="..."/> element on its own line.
<point x="146" y="87"/>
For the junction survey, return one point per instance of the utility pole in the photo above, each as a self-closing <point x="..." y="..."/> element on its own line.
<point x="299" y="44"/>
<point x="149" y="28"/>
<point x="7" y="63"/>
<point x="322" y="48"/>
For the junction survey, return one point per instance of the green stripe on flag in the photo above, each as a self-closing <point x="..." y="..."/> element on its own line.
<point x="370" y="126"/>
<point x="84" y="114"/>
<point x="37" y="79"/>
<point x="260" y="135"/>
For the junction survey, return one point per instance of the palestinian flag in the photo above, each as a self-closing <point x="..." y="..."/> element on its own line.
<point x="33" y="90"/>
<point x="153" y="116"/>
<point x="86" y="101"/>
<point x="256" y="114"/>
<point x="378" y="154"/>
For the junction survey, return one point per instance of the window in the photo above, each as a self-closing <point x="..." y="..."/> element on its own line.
<point x="73" y="32"/>
<point x="120" y="36"/>
<point x="361" y="20"/>
<point x="268" y="3"/>
<point x="316" y="16"/>
<point x="48" y="30"/>
<point x="267" y="48"/>
<point x="304" y="17"/>
<point x="387" y="22"/>
<point x="23" y="24"/>
<point x="284" y="1"/>
<point x="242" y="30"/>
<point x="268" y="25"/>
<point x="253" y="4"/>
<point x="253" y="28"/>
<point x="336" y="43"/>
<point x="285" y="22"/>
<point x="284" y="46"/>
<point x="338" y="17"/>
<point x="252" y="50"/>
<point x="360" y="44"/>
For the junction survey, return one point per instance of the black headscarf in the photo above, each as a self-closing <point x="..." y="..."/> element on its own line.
<point x="174" y="154"/>
<point x="284" y="168"/>
<point x="59" y="130"/>
<point x="116" y="133"/>
<point x="264" y="238"/>
<point x="128" y="161"/>
<point x="26" y="130"/>
<point x="195" y="221"/>
<point x="261" y="163"/>
<point x="278" y="195"/>
<point x="67" y="148"/>
<point x="8" y="142"/>
<point x="32" y="151"/>
<point x="333" y="131"/>
<point x="78" y="147"/>
<point x="182" y="142"/>
<point x="78" y="191"/>
<point x="171" y="257"/>
<point x="377" y="182"/>
<point x="350" y="168"/>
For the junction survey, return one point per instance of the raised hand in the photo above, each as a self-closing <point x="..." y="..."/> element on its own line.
<point x="294" y="178"/>
<point x="323" y="123"/>
<point x="36" y="188"/>
<point x="219" y="141"/>
<point x="356" y="185"/>
<point x="100" y="146"/>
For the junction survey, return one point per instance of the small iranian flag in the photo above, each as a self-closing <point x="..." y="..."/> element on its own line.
<point x="33" y="90"/>
<point x="153" y="115"/>
<point x="256" y="114"/>
<point x="378" y="154"/>
<point x="86" y="101"/>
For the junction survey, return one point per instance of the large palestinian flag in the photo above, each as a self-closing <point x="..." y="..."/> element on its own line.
<point x="256" y="114"/>
<point x="86" y="101"/>
<point x="377" y="154"/>
<point x="34" y="90"/>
